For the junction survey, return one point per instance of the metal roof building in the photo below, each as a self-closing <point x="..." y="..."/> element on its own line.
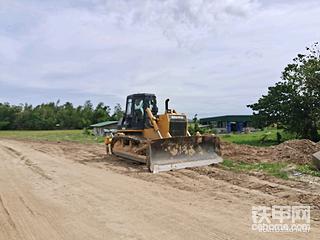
<point x="228" y="123"/>
<point x="100" y="129"/>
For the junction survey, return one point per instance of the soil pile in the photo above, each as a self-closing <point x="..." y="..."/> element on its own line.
<point x="294" y="151"/>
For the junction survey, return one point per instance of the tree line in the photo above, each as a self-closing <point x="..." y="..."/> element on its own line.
<point x="294" y="102"/>
<point x="49" y="116"/>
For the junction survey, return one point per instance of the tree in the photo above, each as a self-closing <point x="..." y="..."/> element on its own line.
<point x="67" y="117"/>
<point x="194" y="127"/>
<point x="101" y="113"/>
<point x="117" y="112"/>
<point x="87" y="114"/>
<point x="47" y="113"/>
<point x="27" y="119"/>
<point x="294" y="102"/>
<point x="8" y="115"/>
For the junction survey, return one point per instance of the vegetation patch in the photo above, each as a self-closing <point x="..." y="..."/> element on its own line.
<point x="274" y="169"/>
<point x="54" y="135"/>
<point x="308" y="169"/>
<point x="267" y="137"/>
<point x="279" y="170"/>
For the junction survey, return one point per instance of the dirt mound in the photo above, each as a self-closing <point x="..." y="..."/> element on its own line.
<point x="294" y="151"/>
<point x="304" y="146"/>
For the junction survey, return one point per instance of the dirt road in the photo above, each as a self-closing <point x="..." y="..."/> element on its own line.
<point x="73" y="191"/>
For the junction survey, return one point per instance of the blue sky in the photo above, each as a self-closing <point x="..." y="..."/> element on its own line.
<point x="210" y="57"/>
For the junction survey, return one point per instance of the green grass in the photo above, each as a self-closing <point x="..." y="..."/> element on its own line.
<point x="273" y="169"/>
<point x="308" y="169"/>
<point x="279" y="170"/>
<point x="53" y="135"/>
<point x="262" y="138"/>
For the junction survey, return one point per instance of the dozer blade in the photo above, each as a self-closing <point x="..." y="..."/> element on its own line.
<point x="183" y="152"/>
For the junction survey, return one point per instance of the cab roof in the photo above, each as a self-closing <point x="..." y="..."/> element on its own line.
<point x="141" y="95"/>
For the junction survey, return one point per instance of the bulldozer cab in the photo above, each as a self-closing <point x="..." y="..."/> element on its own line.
<point x="135" y="115"/>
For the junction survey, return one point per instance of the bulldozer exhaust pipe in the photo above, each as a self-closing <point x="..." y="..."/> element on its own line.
<point x="167" y="104"/>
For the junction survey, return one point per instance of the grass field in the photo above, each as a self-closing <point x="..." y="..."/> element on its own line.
<point x="267" y="137"/>
<point x="261" y="138"/>
<point x="53" y="135"/>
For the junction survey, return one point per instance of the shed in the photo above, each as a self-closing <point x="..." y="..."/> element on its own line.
<point x="102" y="128"/>
<point x="228" y="123"/>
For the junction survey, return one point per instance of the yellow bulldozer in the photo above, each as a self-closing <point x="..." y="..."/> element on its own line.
<point x="160" y="141"/>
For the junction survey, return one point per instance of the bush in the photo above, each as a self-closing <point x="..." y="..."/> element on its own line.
<point x="86" y="131"/>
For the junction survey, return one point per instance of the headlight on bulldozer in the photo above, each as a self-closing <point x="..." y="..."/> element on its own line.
<point x="108" y="140"/>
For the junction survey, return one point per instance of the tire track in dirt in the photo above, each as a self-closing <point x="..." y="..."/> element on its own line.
<point x="11" y="151"/>
<point x="26" y="205"/>
<point x="35" y="168"/>
<point x="30" y="164"/>
<point x="7" y="213"/>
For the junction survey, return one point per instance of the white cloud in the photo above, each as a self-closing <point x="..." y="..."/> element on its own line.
<point x="183" y="21"/>
<point x="209" y="57"/>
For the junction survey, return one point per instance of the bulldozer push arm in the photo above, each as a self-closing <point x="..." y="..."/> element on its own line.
<point x="152" y="119"/>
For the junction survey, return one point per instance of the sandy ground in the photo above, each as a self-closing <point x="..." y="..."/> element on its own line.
<point x="73" y="191"/>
